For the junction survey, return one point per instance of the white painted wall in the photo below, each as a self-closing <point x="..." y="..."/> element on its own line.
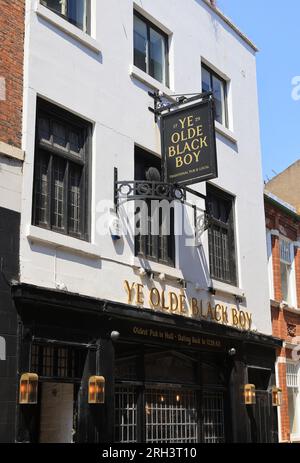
<point x="99" y="87"/>
<point x="10" y="183"/>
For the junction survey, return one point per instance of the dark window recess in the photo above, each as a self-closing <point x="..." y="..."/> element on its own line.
<point x="221" y="239"/>
<point x="211" y="82"/>
<point x="65" y="363"/>
<point x="158" y="247"/>
<point x="261" y="377"/>
<point x="150" y="49"/>
<point x="61" y="172"/>
<point x="76" y="12"/>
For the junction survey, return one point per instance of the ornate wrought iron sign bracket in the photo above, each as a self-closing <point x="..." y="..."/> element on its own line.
<point x="160" y="106"/>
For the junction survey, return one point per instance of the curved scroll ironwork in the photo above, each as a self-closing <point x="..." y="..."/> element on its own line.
<point x="130" y="190"/>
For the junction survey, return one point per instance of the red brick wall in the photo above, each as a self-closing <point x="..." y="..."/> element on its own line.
<point x="11" y="68"/>
<point x="285" y="324"/>
<point x="297" y="268"/>
<point x="284" y="409"/>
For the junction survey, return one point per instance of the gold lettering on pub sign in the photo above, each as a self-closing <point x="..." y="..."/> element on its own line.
<point x="173" y="303"/>
<point x="187" y="142"/>
<point x="183" y="338"/>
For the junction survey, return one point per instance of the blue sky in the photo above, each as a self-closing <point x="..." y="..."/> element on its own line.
<point x="274" y="27"/>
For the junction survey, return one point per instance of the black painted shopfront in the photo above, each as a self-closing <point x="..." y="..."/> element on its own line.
<point x="169" y="379"/>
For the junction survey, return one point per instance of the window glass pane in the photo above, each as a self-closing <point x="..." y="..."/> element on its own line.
<point x="42" y="189"/>
<point x="77" y="13"/>
<point x="58" y="191"/>
<point x="75" y="141"/>
<point x="157" y="56"/>
<point x="285" y="251"/>
<point x="140" y="44"/>
<point x="44" y="129"/>
<point x="206" y="80"/>
<point x="59" y="135"/>
<point x="59" y="6"/>
<point x="75" y="199"/>
<point x="285" y="281"/>
<point x="218" y="89"/>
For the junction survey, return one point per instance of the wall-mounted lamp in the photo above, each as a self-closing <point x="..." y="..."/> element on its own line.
<point x="239" y="299"/>
<point x="96" y="390"/>
<point x="249" y="394"/>
<point x="212" y="291"/>
<point x="232" y="352"/>
<point x="142" y="272"/>
<point x="162" y="277"/>
<point x="182" y="283"/>
<point x="150" y="274"/>
<point x="115" y="228"/>
<point x="276" y="396"/>
<point x="28" y="393"/>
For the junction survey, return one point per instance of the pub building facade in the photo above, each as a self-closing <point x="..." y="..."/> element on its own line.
<point x="142" y="337"/>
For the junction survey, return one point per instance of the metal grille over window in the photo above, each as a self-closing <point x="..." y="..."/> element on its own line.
<point x="155" y="238"/>
<point x="126" y="415"/>
<point x="213" y="412"/>
<point x="171" y="416"/>
<point x="61" y="172"/>
<point x="221" y="237"/>
<point x="292" y="374"/>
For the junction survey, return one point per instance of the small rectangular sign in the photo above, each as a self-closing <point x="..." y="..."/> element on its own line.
<point x="189" y="144"/>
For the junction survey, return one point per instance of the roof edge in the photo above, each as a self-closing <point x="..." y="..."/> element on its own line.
<point x="269" y="197"/>
<point x="229" y="22"/>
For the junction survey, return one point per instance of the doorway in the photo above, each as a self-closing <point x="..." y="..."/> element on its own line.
<point x="56" y="413"/>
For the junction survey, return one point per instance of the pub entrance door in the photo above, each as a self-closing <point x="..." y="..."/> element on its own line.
<point x="177" y="399"/>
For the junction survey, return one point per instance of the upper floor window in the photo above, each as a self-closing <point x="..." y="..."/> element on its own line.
<point x="77" y="12"/>
<point x="211" y="82"/>
<point x="60" y="198"/>
<point x="286" y="261"/>
<point x="150" y="49"/>
<point x="155" y="227"/>
<point x="221" y="236"/>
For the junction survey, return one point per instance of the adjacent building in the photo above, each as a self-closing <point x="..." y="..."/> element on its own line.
<point x="283" y="231"/>
<point x="173" y="329"/>
<point x="280" y="185"/>
<point x="11" y="161"/>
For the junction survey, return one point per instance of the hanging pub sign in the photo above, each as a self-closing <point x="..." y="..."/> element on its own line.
<point x="189" y="144"/>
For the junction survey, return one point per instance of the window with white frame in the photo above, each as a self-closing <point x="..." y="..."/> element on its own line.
<point x="293" y="386"/>
<point x="150" y="49"/>
<point x="212" y="82"/>
<point x="77" y="12"/>
<point x="286" y="262"/>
